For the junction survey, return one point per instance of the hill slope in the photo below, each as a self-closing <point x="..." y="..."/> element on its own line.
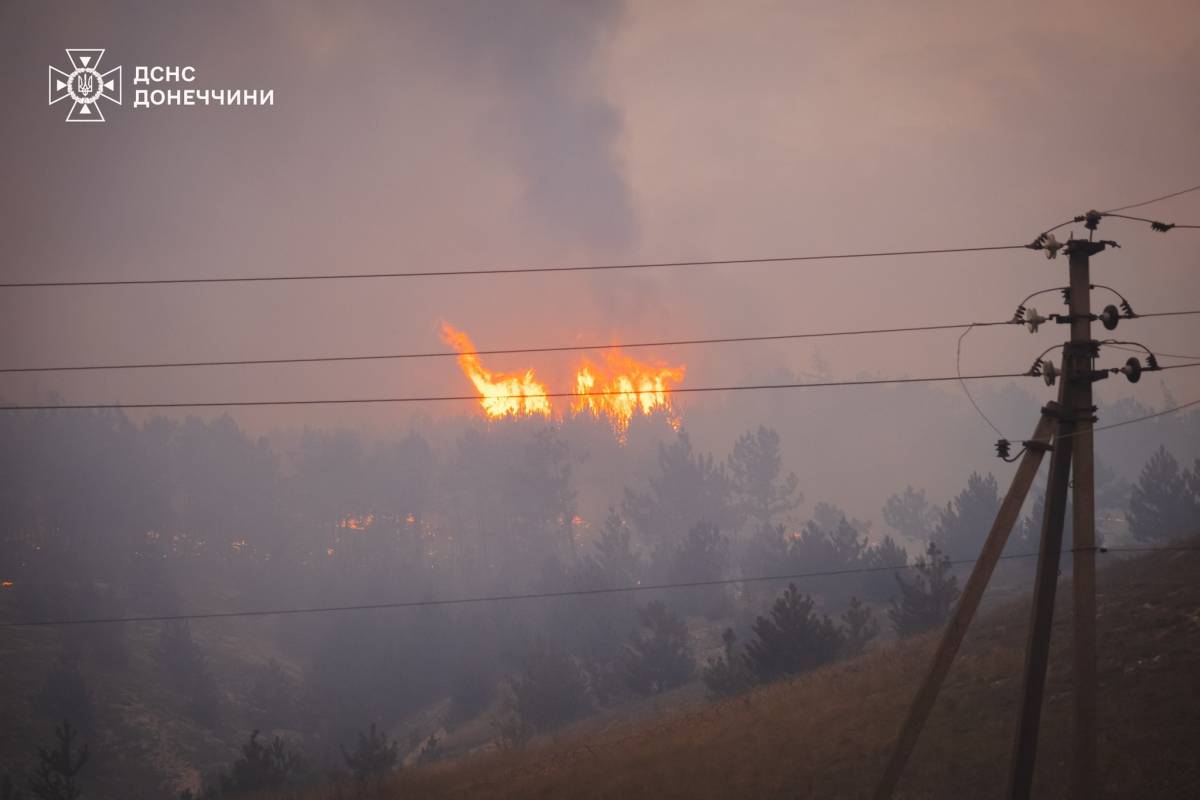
<point x="827" y="733"/>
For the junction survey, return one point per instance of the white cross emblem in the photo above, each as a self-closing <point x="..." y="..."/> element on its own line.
<point x="86" y="85"/>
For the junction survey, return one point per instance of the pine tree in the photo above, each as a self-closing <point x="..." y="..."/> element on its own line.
<point x="761" y="493"/>
<point x="58" y="768"/>
<point x="727" y="674"/>
<point x="964" y="523"/>
<point x="658" y="656"/>
<point x="8" y="791"/>
<point x="703" y="555"/>
<point x="925" y="602"/>
<point x="1164" y="503"/>
<point x="910" y="514"/>
<point x="187" y="666"/>
<point x="859" y="627"/>
<point x="262" y="766"/>
<point x="376" y="754"/>
<point x="551" y="690"/>
<point x="794" y="638"/>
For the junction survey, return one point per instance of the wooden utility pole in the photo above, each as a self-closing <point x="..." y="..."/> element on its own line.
<point x="1083" y="518"/>
<point x="964" y="612"/>
<point x="1071" y="420"/>
<point x="1074" y="428"/>
<point x="1037" y="649"/>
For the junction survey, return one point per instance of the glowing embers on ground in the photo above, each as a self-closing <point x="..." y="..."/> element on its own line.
<point x="615" y="390"/>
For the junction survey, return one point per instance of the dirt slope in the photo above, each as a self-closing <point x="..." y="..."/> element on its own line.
<point x="826" y="734"/>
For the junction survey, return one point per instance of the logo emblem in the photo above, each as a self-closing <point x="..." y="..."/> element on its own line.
<point x="85" y="85"/>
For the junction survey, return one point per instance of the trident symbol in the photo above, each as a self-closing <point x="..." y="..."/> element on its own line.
<point x="85" y="85"/>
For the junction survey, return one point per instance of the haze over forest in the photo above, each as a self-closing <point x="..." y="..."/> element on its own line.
<point x="434" y="137"/>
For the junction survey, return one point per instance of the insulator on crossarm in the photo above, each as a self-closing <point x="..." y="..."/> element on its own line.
<point x="1050" y="373"/>
<point x="1132" y="370"/>
<point x="1109" y="317"/>
<point x="1052" y="245"/>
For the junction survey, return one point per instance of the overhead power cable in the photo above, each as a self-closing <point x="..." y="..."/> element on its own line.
<point x="548" y="395"/>
<point x="963" y="383"/>
<point x="508" y="350"/>
<point x="505" y="598"/>
<point x="1169" y="313"/>
<point x="1143" y="418"/>
<point x="477" y="398"/>
<point x="434" y="354"/>
<point x="1153" y="200"/>
<point x="1157" y="353"/>
<point x="1156" y="224"/>
<point x="524" y="270"/>
<point x="1113" y="211"/>
<point x="501" y="270"/>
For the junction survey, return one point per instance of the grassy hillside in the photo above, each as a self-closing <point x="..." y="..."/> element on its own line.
<point x="827" y="733"/>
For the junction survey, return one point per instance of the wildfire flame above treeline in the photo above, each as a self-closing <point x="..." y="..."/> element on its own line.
<point x="616" y="389"/>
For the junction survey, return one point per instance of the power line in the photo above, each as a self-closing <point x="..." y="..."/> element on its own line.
<point x="1162" y="226"/>
<point x="1169" y="314"/>
<point x="963" y="383"/>
<point x="1112" y="211"/>
<point x="1154" y="200"/>
<point x="506" y="598"/>
<point x="476" y="397"/>
<point x="507" y="351"/>
<point x="1144" y="417"/>
<point x="532" y="350"/>
<point x="1157" y="353"/>
<point x="501" y="270"/>
<point x="548" y="395"/>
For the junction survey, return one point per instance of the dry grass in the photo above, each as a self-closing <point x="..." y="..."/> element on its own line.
<point x="826" y="734"/>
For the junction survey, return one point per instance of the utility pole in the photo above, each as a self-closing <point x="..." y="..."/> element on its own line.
<point x="1075" y="426"/>
<point x="1037" y="649"/>
<point x="1083" y="517"/>
<point x="1071" y="421"/>
<point x="964" y="612"/>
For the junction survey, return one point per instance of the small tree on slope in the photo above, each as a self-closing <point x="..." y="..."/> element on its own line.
<point x="57" y="768"/>
<point x="924" y="601"/>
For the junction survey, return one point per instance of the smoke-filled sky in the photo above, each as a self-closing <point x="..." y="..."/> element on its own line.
<point x="441" y="135"/>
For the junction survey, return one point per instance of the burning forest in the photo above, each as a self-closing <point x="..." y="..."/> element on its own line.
<point x="615" y="390"/>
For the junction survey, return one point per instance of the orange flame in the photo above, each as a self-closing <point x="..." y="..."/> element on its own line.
<point x="618" y="390"/>
<point x="501" y="394"/>
<point x="623" y="388"/>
